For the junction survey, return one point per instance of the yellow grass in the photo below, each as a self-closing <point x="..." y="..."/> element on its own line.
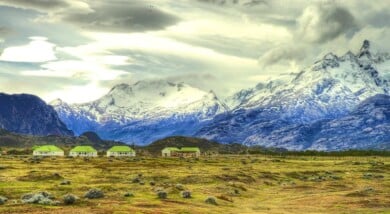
<point x="263" y="184"/>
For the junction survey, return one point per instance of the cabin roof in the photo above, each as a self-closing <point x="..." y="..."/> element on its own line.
<point x="47" y="148"/>
<point x="121" y="149"/>
<point x="83" y="149"/>
<point x="189" y="149"/>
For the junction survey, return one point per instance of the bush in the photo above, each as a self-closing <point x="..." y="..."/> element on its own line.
<point x="69" y="199"/>
<point x="94" y="193"/>
<point x="128" y="194"/>
<point x="211" y="200"/>
<point x="186" y="194"/>
<point x="65" y="182"/>
<point x="162" y="194"/>
<point x="136" y="180"/>
<point x="3" y="200"/>
<point x="179" y="187"/>
<point x="152" y="183"/>
<point x="44" y="198"/>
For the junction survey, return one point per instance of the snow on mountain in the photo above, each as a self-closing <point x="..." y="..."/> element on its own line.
<point x="143" y="104"/>
<point x="329" y="88"/>
<point x="308" y="110"/>
<point x="366" y="127"/>
<point x="277" y="113"/>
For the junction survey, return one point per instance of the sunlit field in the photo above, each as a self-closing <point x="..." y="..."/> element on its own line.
<point x="239" y="184"/>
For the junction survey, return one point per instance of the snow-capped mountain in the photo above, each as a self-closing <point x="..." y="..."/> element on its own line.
<point x="130" y="112"/>
<point x="366" y="127"/>
<point x="331" y="88"/>
<point x="316" y="108"/>
<point x="28" y="114"/>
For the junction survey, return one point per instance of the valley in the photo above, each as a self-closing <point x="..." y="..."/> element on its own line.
<point x="238" y="183"/>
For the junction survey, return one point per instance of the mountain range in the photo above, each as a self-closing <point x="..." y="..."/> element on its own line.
<point x="28" y="114"/>
<point x="339" y="102"/>
<point x="143" y="112"/>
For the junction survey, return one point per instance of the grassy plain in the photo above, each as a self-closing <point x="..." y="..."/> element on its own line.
<point x="240" y="184"/>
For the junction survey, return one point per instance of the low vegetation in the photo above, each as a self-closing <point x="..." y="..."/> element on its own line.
<point x="209" y="184"/>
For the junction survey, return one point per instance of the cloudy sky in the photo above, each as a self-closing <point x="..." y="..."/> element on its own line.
<point x="77" y="50"/>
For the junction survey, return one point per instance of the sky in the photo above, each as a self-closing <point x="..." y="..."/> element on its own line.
<point x="76" y="50"/>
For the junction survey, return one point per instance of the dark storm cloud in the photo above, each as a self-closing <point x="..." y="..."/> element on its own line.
<point x="380" y="18"/>
<point x="118" y="16"/>
<point x="322" y="23"/>
<point x="249" y="3"/>
<point x="36" y="4"/>
<point x="112" y="16"/>
<point x="219" y="2"/>
<point x="4" y="31"/>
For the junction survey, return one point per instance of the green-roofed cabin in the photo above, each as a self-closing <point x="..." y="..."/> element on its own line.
<point x="182" y="152"/>
<point x="83" y="151"/>
<point x="47" y="150"/>
<point x="120" y="151"/>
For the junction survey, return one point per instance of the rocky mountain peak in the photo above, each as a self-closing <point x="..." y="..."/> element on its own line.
<point x="365" y="49"/>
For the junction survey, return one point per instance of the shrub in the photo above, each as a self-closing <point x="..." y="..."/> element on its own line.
<point x="3" y="200"/>
<point x="69" y="199"/>
<point x="136" y="180"/>
<point x="152" y="183"/>
<point x="211" y="200"/>
<point x="179" y="187"/>
<point x="56" y="175"/>
<point x="128" y="194"/>
<point x="65" y="182"/>
<point x="94" y="193"/>
<point x="186" y="194"/>
<point x="162" y="194"/>
<point x="44" y="198"/>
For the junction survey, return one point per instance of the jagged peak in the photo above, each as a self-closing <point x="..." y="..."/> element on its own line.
<point x="330" y="56"/>
<point x="56" y="102"/>
<point x="121" y="86"/>
<point x="365" y="49"/>
<point x="365" y="46"/>
<point x="348" y="56"/>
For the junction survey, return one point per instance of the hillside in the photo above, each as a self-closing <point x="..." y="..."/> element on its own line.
<point x="28" y="114"/>
<point x="206" y="146"/>
<point x="12" y="140"/>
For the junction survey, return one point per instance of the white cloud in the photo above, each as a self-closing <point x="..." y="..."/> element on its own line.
<point x="76" y="69"/>
<point x="37" y="51"/>
<point x="225" y="41"/>
<point x="77" y="94"/>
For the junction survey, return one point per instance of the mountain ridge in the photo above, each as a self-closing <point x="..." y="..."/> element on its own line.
<point x="28" y="114"/>
<point x="280" y="112"/>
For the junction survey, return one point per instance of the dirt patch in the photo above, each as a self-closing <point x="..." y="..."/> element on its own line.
<point x="39" y="176"/>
